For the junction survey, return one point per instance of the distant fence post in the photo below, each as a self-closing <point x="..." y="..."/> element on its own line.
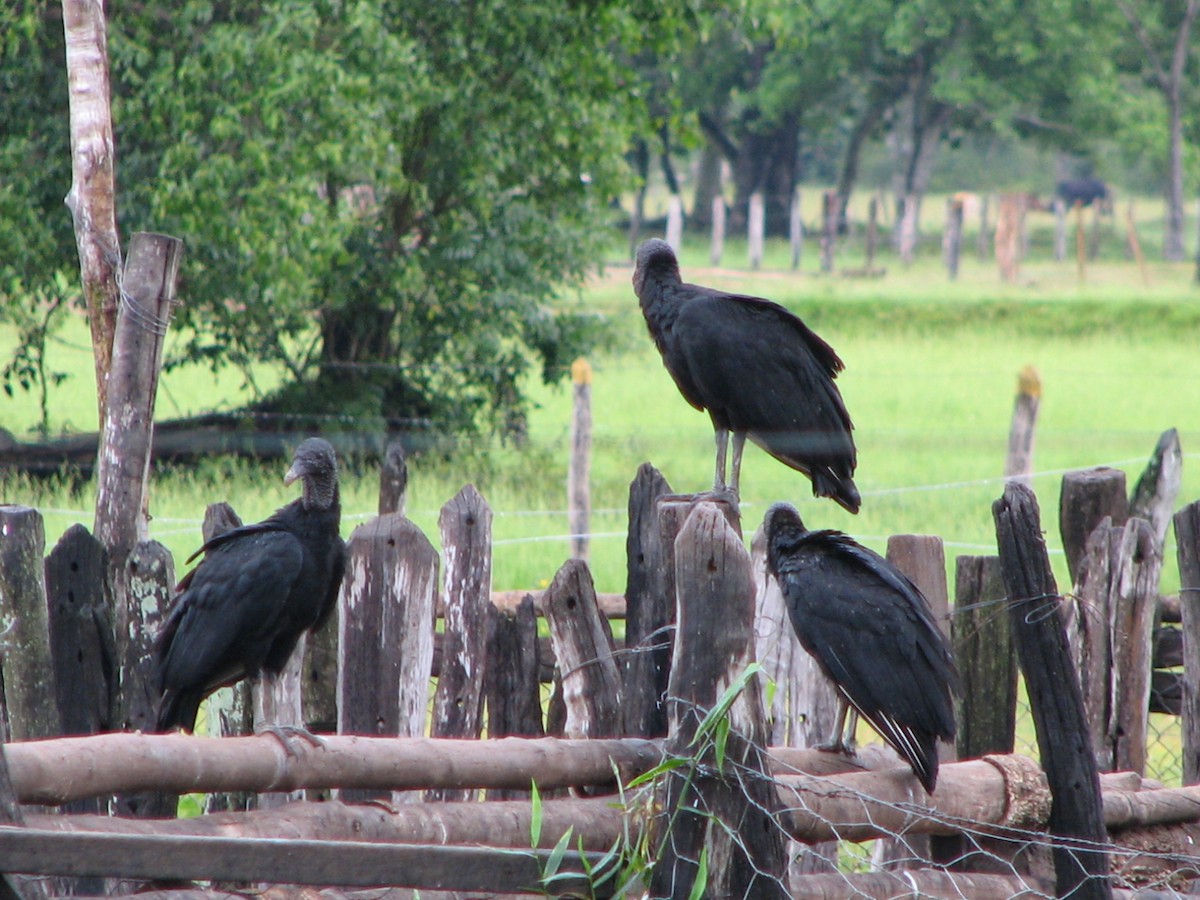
<point x="757" y="228"/>
<point x="675" y="222"/>
<point x="872" y="234"/>
<point x="723" y="810"/>
<point x="796" y="229"/>
<point x="1060" y="229"/>
<point x="393" y="479"/>
<point x="829" y="226"/>
<point x="1008" y="237"/>
<point x="983" y="239"/>
<point x="579" y="502"/>
<point x="952" y="240"/>
<point x="717" y="246"/>
<point x="1187" y="540"/>
<point x="1018" y="464"/>
<point x="1063" y="741"/>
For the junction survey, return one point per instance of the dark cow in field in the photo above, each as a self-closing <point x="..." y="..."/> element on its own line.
<point x="1084" y="191"/>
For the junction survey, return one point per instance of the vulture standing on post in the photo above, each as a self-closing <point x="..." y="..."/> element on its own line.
<point x="758" y="370"/>
<point x="242" y="610"/>
<point x="872" y="634"/>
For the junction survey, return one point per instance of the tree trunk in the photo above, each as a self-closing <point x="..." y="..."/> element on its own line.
<point x="92" y="198"/>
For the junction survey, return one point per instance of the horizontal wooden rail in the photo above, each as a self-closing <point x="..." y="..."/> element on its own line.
<point x="352" y="863"/>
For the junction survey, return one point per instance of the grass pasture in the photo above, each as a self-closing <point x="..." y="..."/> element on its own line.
<point x="931" y="371"/>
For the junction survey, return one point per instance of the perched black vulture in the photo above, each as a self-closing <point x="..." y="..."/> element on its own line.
<point x="259" y="587"/>
<point x="871" y="632"/>
<point x="759" y="371"/>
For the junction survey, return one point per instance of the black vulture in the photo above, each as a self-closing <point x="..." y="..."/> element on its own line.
<point x="759" y="371"/>
<point x="242" y="610"/>
<point x="871" y="632"/>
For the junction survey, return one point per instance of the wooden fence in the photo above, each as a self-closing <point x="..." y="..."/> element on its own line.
<point x="725" y="798"/>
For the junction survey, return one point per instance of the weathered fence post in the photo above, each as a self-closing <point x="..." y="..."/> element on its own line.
<point x="1008" y="237"/>
<point x="582" y="640"/>
<point x="1060" y="229"/>
<point x="385" y="624"/>
<point x="986" y="659"/>
<point x="26" y="663"/>
<point x="872" y="236"/>
<point x="982" y="240"/>
<point x="1088" y="495"/>
<point x="756" y="224"/>
<point x="724" y="807"/>
<point x="1065" y="747"/>
<point x="579" y="502"/>
<point x="1018" y="463"/>
<point x="512" y="679"/>
<point x="1153" y="496"/>
<point x="649" y="610"/>
<point x="466" y="528"/>
<point x="796" y="229"/>
<point x="717" y="245"/>
<point x="81" y="633"/>
<point x="1187" y="540"/>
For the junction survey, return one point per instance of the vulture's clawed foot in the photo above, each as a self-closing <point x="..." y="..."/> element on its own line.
<point x="286" y="734"/>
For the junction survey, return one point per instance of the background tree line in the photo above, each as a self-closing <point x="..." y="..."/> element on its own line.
<point x="386" y="198"/>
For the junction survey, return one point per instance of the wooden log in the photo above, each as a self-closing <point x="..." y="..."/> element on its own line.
<point x="1063" y="740"/>
<point x="1136" y="578"/>
<point x="182" y="857"/>
<point x="466" y="529"/>
<point x="1018" y="463"/>
<point x="385" y="630"/>
<point x="719" y="806"/>
<point x="1088" y="495"/>
<point x="594" y="824"/>
<point x="26" y="663"/>
<point x="1154" y="494"/>
<point x="393" y="479"/>
<point x="717" y="244"/>
<point x="986" y="658"/>
<point x="579" y="469"/>
<point x="650" y="610"/>
<point x="61" y="770"/>
<point x="756" y="225"/>
<point x="582" y="640"/>
<point x="612" y="606"/>
<point x="1187" y="544"/>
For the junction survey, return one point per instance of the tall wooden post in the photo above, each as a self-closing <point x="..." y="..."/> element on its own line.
<point x="1018" y="463"/>
<point x="829" y="225"/>
<point x="986" y="658"/>
<point x="466" y="528"/>
<point x="723" y="808"/>
<point x="796" y="229"/>
<point x="717" y="247"/>
<point x="1064" y="744"/>
<point x="952" y="239"/>
<point x="579" y="469"/>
